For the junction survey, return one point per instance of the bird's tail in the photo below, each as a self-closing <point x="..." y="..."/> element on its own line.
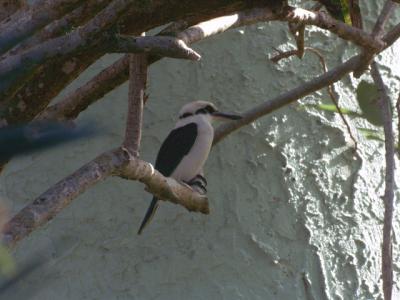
<point x="149" y="214"/>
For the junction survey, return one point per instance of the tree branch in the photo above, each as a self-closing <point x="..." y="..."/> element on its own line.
<point x="38" y="16"/>
<point x="15" y="68"/>
<point x="117" y="73"/>
<point x="118" y="163"/>
<point x="323" y="20"/>
<point x="71" y="20"/>
<point x="163" y="46"/>
<point x="266" y="107"/>
<point x="309" y="87"/>
<point x="330" y="88"/>
<point x="388" y="198"/>
<point x="136" y="98"/>
<point x="377" y="32"/>
<point x="9" y="8"/>
<point x="32" y="96"/>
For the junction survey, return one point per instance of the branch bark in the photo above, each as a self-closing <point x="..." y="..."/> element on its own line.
<point x="136" y="98"/>
<point x="36" y="17"/>
<point x="163" y="46"/>
<point x="30" y="97"/>
<point x="113" y="163"/>
<point x="117" y="73"/>
<point x="16" y="68"/>
<point x="377" y="32"/>
<point x="388" y="198"/>
<point x="309" y="87"/>
<point x="75" y="18"/>
<point x="323" y="20"/>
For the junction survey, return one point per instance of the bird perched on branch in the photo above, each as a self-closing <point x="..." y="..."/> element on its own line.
<point x="186" y="148"/>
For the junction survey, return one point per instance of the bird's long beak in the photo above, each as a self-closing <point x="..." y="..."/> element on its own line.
<point x="224" y="116"/>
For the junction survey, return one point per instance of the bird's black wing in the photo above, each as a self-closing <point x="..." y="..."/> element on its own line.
<point x="177" y="144"/>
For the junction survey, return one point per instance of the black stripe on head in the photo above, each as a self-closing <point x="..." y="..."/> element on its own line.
<point x="185" y="115"/>
<point x="206" y="110"/>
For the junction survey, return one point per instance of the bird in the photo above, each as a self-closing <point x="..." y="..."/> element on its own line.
<point x="186" y="148"/>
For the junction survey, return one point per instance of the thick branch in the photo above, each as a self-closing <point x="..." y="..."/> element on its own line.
<point x="137" y="88"/>
<point x="163" y="46"/>
<point x="165" y="188"/>
<point x="77" y="17"/>
<point x="9" y="8"/>
<point x="388" y="198"/>
<point x="35" y="94"/>
<point x="36" y="17"/>
<point x="47" y="205"/>
<point x="17" y="67"/>
<point x="323" y="20"/>
<point x="116" y="162"/>
<point x="117" y="73"/>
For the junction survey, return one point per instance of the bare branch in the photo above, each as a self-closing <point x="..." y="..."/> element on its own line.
<point x="47" y="205"/>
<point x="398" y="122"/>
<point x="266" y="107"/>
<point x="78" y="100"/>
<point x="73" y="19"/>
<point x="314" y="85"/>
<point x="116" y="162"/>
<point x="377" y="32"/>
<point x="36" y="17"/>
<point x="165" y="188"/>
<point x="157" y="45"/>
<point x="289" y="53"/>
<point x="137" y="88"/>
<point x="32" y="96"/>
<point x="323" y="20"/>
<point x="9" y="7"/>
<point x="19" y="66"/>
<point x="117" y="73"/>
<point x="218" y="25"/>
<point x="388" y="198"/>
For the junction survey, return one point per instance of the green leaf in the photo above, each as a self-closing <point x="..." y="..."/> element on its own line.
<point x="372" y="134"/>
<point x="332" y="108"/>
<point x="7" y="263"/>
<point x="367" y="98"/>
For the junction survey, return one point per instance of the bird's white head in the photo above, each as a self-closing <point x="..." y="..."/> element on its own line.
<point x="206" y="109"/>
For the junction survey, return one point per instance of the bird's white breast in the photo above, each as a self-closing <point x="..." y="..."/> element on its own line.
<point x="192" y="164"/>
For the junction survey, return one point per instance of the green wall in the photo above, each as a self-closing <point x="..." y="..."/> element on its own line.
<point x="295" y="212"/>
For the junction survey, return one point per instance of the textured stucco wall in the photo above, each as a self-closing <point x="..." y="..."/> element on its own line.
<point x="295" y="213"/>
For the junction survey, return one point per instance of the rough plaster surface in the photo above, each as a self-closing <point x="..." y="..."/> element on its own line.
<point x="295" y="213"/>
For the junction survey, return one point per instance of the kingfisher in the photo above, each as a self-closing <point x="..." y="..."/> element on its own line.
<point x="185" y="150"/>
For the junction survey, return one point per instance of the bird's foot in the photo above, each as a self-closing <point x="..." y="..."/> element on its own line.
<point x="198" y="184"/>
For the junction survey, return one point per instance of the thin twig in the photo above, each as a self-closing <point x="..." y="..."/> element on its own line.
<point x="398" y="122"/>
<point x="331" y="92"/>
<point x="288" y="97"/>
<point x="388" y="198"/>
<point x="137" y="88"/>
<point x="330" y="88"/>
<point x="377" y="32"/>
<point x="323" y="20"/>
